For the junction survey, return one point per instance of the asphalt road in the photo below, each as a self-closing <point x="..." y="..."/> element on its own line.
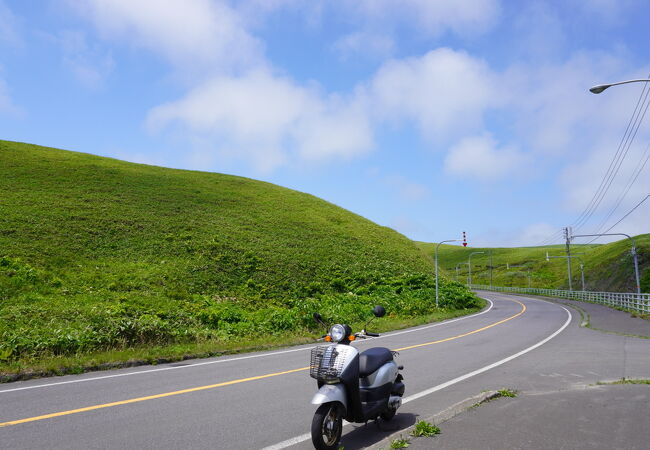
<point x="262" y="400"/>
<point x="561" y="403"/>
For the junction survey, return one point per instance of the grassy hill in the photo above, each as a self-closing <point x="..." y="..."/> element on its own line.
<point x="118" y="260"/>
<point x="607" y="267"/>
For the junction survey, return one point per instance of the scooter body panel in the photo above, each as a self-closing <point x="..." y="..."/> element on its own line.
<point x="331" y="393"/>
<point x="337" y="368"/>
<point x="385" y="374"/>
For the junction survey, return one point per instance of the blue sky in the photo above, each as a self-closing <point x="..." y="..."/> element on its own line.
<point x="431" y="117"/>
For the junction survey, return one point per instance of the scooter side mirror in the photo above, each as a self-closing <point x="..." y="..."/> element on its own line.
<point x="379" y="311"/>
<point x="319" y="319"/>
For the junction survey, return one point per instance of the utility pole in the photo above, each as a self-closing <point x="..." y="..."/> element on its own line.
<point x="438" y="245"/>
<point x="574" y="255"/>
<point x="567" y="236"/>
<point x="633" y="251"/>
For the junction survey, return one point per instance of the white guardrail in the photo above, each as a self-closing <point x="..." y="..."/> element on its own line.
<point x="632" y="302"/>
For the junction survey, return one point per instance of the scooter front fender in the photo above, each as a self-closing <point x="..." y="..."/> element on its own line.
<point x="330" y="393"/>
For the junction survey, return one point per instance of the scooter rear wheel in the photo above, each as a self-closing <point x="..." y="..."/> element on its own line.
<point x="327" y="426"/>
<point x="388" y="414"/>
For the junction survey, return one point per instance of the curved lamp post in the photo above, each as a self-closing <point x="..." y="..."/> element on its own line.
<point x="459" y="264"/>
<point x="438" y="245"/>
<point x="601" y="87"/>
<point x="469" y="263"/>
<point x="634" y="254"/>
<point x="597" y="90"/>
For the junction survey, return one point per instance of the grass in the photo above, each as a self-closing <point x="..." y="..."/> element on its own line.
<point x="159" y="354"/>
<point x="507" y="393"/>
<point x="624" y="381"/>
<point x="425" y="429"/>
<point x="399" y="443"/>
<point x="607" y="267"/>
<point x="104" y="261"/>
<point x="501" y="393"/>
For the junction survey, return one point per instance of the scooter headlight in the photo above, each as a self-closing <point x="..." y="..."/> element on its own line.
<point x="337" y="332"/>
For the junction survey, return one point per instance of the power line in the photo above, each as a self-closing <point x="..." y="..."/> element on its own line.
<point x="641" y="165"/>
<point x="612" y="162"/>
<point x="629" y="135"/>
<point x="621" y="153"/>
<point x="628" y="213"/>
<point x="551" y="238"/>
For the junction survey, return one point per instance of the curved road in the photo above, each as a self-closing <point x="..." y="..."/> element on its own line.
<point x="261" y="400"/>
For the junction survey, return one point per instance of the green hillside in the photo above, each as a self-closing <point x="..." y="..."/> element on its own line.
<point x="607" y="267"/>
<point x="100" y="255"/>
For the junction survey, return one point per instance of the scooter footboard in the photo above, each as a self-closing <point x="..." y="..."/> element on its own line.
<point x="330" y="393"/>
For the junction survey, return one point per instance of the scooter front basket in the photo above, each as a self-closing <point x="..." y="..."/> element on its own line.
<point x="328" y="362"/>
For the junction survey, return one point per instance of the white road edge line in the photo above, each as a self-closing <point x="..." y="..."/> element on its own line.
<point x="304" y="437"/>
<point x="161" y="369"/>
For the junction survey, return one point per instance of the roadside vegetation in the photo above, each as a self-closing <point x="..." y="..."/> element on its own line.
<point x="607" y="268"/>
<point x="624" y="381"/>
<point x="400" y="443"/>
<point x="104" y="261"/>
<point x="425" y="429"/>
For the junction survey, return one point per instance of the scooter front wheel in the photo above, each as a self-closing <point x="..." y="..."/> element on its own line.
<point x="327" y="426"/>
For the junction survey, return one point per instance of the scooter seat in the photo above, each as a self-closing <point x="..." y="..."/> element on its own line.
<point x="372" y="359"/>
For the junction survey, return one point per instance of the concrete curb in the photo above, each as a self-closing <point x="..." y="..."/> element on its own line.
<point x="438" y="418"/>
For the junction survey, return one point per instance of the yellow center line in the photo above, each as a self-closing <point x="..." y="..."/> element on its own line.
<point x="150" y="397"/>
<point x="523" y="310"/>
<point x="228" y="383"/>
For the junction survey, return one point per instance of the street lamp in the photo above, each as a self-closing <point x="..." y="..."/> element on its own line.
<point x="582" y="264"/>
<point x="441" y="242"/>
<point x="634" y="254"/>
<point x="490" y="269"/>
<point x="469" y="263"/>
<point x="460" y="263"/>
<point x="601" y="87"/>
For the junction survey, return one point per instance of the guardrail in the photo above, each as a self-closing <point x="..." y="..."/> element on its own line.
<point x="633" y="302"/>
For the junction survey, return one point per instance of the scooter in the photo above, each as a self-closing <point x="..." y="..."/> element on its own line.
<point x="354" y="386"/>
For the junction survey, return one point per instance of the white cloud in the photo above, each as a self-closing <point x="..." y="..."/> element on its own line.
<point x="541" y="33"/>
<point x="480" y="157"/>
<point x="444" y="92"/>
<point x="407" y="226"/>
<point x="7" y="106"/>
<point x="88" y="64"/>
<point x="529" y="235"/>
<point x="192" y="34"/>
<point x="366" y="44"/>
<point x="8" y="25"/>
<point x="269" y="120"/>
<point x="579" y="133"/>
<point x="379" y="25"/>
<point x="430" y="17"/>
<point x="406" y="189"/>
<point x="535" y="233"/>
<point x="272" y="121"/>
<point x="554" y="109"/>
<point x="241" y="109"/>
<point x="581" y="181"/>
<point x="607" y="12"/>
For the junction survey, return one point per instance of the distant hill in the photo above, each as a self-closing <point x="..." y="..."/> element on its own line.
<point x="101" y="254"/>
<point x="607" y="267"/>
<point x="181" y="232"/>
